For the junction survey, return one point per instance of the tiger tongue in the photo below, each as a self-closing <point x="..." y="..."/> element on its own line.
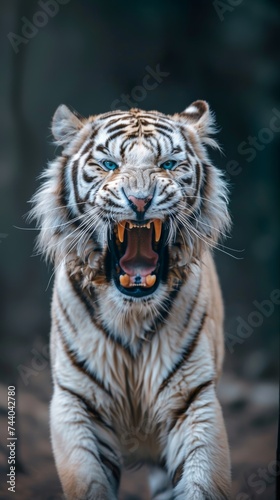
<point x="139" y="257"/>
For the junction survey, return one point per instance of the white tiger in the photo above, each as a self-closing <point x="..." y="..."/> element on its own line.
<point x="129" y="213"/>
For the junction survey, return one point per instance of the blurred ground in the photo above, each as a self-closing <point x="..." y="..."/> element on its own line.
<point x="250" y="411"/>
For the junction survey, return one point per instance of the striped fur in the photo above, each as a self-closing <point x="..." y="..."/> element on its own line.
<point x="135" y="377"/>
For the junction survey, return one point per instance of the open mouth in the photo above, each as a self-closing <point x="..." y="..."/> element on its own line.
<point x="138" y="256"/>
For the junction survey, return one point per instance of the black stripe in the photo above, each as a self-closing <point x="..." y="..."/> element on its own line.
<point x="178" y="474"/>
<point x="122" y="150"/>
<point x="101" y="148"/>
<point x="88" y="450"/>
<point x="113" y="467"/>
<point x="165" y="187"/>
<point x="131" y="145"/>
<point x="111" y="203"/>
<point x="158" y="148"/>
<point x="169" y="198"/>
<point x="105" y="445"/>
<point x="187" y="352"/>
<point x="81" y="365"/>
<point x="194" y="302"/>
<point x="66" y="315"/>
<point x="75" y="168"/>
<point x="164" y="134"/>
<point x="75" y="171"/>
<point x="177" y="149"/>
<point x="133" y="135"/>
<point x="89" y="178"/>
<point x="180" y="414"/>
<point x="88" y="305"/>
<point x="161" y="127"/>
<point x="106" y="188"/>
<point x="165" y="311"/>
<point x="222" y="495"/>
<point x="187" y="144"/>
<point x="194" y="450"/>
<point x="91" y="411"/>
<point x="198" y="169"/>
<point x="148" y="143"/>
<point x="197" y="391"/>
<point x="87" y="146"/>
<point x="118" y="127"/>
<point x="64" y="194"/>
<point x="128" y="394"/>
<point x="109" y="139"/>
<point x="191" y="200"/>
<point x="205" y="492"/>
<point x="90" y="192"/>
<point x="128" y="143"/>
<point x="205" y="188"/>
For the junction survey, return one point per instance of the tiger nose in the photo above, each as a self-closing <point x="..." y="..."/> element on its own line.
<point x="140" y="204"/>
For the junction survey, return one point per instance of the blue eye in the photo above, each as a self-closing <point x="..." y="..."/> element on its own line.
<point x="168" y="165"/>
<point x="110" y="165"/>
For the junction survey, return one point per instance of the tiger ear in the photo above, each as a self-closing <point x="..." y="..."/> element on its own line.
<point x="199" y="116"/>
<point x="65" y="124"/>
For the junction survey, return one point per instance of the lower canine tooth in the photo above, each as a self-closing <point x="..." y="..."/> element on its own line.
<point x="124" y="280"/>
<point x="158" y="226"/>
<point x="150" y="279"/>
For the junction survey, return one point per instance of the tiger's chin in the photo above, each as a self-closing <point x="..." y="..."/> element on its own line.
<point x="137" y="257"/>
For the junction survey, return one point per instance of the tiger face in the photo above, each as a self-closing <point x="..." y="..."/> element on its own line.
<point x="135" y="188"/>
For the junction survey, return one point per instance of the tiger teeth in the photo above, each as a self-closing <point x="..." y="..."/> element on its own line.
<point x="125" y="280"/>
<point x="137" y="226"/>
<point x="150" y="280"/>
<point x="122" y="224"/>
<point x="158" y="227"/>
<point x="121" y="228"/>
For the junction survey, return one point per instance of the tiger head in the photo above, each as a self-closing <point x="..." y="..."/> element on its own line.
<point x="133" y="196"/>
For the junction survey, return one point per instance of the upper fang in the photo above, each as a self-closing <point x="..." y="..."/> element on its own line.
<point x="121" y="228"/>
<point x="158" y="227"/>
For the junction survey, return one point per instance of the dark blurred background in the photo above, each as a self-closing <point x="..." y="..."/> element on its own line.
<point x="87" y="55"/>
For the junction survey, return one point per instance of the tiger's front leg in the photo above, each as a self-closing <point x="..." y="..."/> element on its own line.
<point x="197" y="455"/>
<point x="87" y="464"/>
